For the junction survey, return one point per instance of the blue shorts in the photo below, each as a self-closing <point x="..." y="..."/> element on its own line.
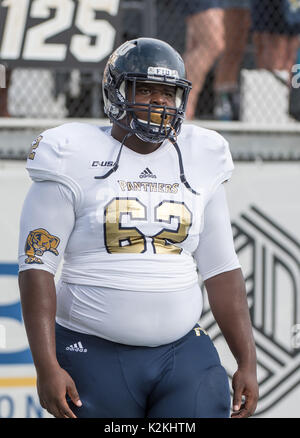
<point x="183" y="379"/>
<point x="194" y="6"/>
<point x="274" y="16"/>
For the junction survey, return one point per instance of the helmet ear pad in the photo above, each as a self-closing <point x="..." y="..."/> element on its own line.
<point x="113" y="95"/>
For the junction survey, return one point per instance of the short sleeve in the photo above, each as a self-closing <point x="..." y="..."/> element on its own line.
<point x="207" y="159"/>
<point x="222" y="165"/>
<point x="49" y="160"/>
<point x="215" y="253"/>
<point x="47" y="220"/>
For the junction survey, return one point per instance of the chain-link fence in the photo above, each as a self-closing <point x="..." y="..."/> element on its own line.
<point x="242" y="57"/>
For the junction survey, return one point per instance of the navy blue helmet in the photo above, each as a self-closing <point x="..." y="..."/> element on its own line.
<point x="145" y="60"/>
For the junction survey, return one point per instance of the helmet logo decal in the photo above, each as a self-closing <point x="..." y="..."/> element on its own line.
<point x="124" y="48"/>
<point x="171" y="75"/>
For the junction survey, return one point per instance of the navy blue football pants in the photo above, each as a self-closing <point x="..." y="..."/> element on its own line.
<point x="183" y="379"/>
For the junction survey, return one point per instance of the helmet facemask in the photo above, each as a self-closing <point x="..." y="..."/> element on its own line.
<point x="150" y="122"/>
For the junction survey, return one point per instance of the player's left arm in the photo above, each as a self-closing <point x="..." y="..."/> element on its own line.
<point x="220" y="269"/>
<point x="227" y="297"/>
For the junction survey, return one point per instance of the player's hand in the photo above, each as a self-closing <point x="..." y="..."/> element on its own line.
<point x="52" y="387"/>
<point x="245" y="393"/>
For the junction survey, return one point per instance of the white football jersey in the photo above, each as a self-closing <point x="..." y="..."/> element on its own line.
<point x="131" y="242"/>
<point x="141" y="224"/>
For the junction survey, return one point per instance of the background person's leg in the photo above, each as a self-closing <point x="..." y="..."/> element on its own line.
<point x="204" y="44"/>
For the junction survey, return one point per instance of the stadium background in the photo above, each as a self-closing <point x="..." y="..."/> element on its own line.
<point x="53" y="77"/>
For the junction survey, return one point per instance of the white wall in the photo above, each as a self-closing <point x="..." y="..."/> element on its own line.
<point x="18" y="397"/>
<point x="265" y="209"/>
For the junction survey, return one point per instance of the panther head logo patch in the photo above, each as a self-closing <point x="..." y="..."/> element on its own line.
<point x="38" y="242"/>
<point x="34" y="145"/>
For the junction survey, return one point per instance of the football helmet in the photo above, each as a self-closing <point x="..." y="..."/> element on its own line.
<point x="145" y="60"/>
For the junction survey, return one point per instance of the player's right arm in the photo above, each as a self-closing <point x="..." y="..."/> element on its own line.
<point x="38" y="305"/>
<point x="47" y="221"/>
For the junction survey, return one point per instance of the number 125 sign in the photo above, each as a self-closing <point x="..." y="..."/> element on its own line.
<point x="58" y="32"/>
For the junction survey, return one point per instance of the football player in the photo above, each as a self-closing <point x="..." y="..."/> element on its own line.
<point x="137" y="211"/>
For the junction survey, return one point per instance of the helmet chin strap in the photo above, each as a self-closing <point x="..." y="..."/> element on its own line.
<point x="173" y="140"/>
<point x="116" y="165"/>
<point x="143" y="136"/>
<point x="182" y="175"/>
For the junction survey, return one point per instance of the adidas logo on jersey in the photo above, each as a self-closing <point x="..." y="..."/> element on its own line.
<point x="78" y="347"/>
<point x="147" y="173"/>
